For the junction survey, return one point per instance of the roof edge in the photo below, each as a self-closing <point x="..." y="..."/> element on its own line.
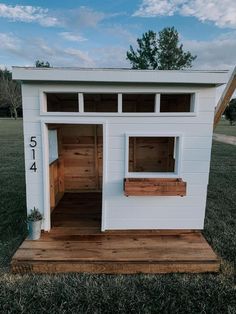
<point x="117" y="75"/>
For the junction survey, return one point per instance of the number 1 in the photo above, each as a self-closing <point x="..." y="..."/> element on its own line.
<point x="33" y="151"/>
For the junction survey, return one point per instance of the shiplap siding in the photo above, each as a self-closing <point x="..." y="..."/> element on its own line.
<point x="132" y="212"/>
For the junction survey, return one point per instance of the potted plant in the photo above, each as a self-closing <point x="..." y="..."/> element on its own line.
<point x="34" y="220"/>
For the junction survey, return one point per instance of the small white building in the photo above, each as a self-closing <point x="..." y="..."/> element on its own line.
<point x="140" y="138"/>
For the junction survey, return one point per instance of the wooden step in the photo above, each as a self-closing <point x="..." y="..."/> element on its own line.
<point x="96" y="267"/>
<point x="76" y="244"/>
<point x="116" y="253"/>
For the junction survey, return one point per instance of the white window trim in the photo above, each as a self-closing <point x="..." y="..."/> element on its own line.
<point x="157" y="103"/>
<point x="193" y="104"/>
<point x="43" y="102"/>
<point x="53" y="145"/>
<point x="81" y="102"/>
<point x="177" y="151"/>
<point x="120" y="103"/>
<point x="119" y="92"/>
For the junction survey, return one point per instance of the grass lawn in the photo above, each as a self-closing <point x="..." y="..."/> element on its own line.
<point x="225" y="128"/>
<point x="84" y="293"/>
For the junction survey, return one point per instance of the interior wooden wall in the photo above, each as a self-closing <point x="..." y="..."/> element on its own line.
<point x="138" y="102"/>
<point x="175" y="103"/>
<point x="82" y="154"/>
<point x="100" y="102"/>
<point x="151" y="154"/>
<point x="62" y="102"/>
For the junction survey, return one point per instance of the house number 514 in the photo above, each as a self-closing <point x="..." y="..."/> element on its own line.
<point x="33" y="144"/>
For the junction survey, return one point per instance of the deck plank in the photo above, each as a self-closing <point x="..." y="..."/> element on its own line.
<point x="76" y="244"/>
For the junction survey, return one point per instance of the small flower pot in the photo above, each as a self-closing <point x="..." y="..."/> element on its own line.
<point x="34" y="228"/>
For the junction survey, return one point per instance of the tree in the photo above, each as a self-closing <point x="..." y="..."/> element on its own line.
<point x="146" y="55"/>
<point x="230" y="112"/>
<point x="42" y="64"/>
<point x="162" y="52"/>
<point x="10" y="93"/>
<point x="5" y="74"/>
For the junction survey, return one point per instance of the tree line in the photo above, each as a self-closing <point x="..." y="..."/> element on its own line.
<point x="10" y="92"/>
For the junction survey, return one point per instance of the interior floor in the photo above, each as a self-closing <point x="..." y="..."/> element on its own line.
<point x="81" y="210"/>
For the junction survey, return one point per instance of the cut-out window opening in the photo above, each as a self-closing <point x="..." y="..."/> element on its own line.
<point x="53" y="145"/>
<point x="177" y="103"/>
<point x="138" y="103"/>
<point x="152" y="154"/>
<point x="62" y="102"/>
<point x="100" y="103"/>
<point x="129" y="103"/>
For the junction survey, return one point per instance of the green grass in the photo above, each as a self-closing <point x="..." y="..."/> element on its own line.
<point x="84" y="293"/>
<point x="225" y="128"/>
<point x="12" y="187"/>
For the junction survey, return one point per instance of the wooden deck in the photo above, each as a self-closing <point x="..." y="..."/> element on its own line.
<point x="76" y="244"/>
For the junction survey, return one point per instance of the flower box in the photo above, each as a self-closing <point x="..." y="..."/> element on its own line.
<point x="154" y="186"/>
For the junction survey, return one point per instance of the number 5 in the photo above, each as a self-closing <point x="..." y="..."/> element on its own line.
<point x="33" y="141"/>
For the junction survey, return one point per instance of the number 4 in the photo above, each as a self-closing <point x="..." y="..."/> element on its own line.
<point x="33" y="167"/>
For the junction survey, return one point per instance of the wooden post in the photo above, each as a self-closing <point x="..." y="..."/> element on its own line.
<point x="52" y="187"/>
<point x="96" y="157"/>
<point x="61" y="181"/>
<point x="225" y="98"/>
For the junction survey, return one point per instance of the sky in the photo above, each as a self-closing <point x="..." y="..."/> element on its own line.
<point x="98" y="33"/>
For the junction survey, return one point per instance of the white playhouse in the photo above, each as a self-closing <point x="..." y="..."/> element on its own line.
<point x="132" y="146"/>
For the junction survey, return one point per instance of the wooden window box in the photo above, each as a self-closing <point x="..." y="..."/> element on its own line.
<point x="154" y="186"/>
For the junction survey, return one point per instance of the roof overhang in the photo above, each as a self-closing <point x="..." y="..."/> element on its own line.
<point x="215" y="78"/>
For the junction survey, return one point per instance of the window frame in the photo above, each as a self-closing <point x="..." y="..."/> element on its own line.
<point x="44" y="99"/>
<point x="81" y="104"/>
<point x="119" y="91"/>
<point x="177" y="152"/>
<point x="193" y="104"/>
<point x="156" y="104"/>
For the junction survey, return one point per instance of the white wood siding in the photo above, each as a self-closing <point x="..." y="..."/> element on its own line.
<point x="123" y="212"/>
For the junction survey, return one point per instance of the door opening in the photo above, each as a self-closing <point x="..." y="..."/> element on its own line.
<point x="76" y="175"/>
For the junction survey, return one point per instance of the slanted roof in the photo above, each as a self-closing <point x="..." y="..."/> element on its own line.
<point x="213" y="78"/>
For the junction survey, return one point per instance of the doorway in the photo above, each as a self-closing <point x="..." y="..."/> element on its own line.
<point x="76" y="175"/>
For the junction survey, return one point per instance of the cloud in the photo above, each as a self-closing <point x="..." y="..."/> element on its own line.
<point x="72" y="37"/>
<point x="221" y="12"/>
<point x="110" y="56"/>
<point x="121" y="32"/>
<point x="31" y="49"/>
<point x="82" y="17"/>
<point x="151" y="8"/>
<point x="9" y="42"/>
<point x="26" y="51"/>
<point x="80" y="55"/>
<point x="76" y="18"/>
<point x="28" y="14"/>
<point x="216" y="54"/>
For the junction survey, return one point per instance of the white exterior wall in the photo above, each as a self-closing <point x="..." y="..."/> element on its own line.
<point x="119" y="211"/>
